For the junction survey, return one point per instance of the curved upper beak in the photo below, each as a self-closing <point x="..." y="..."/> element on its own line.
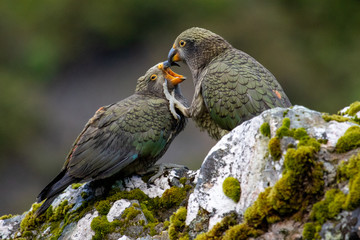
<point x="172" y="77"/>
<point x="173" y="56"/>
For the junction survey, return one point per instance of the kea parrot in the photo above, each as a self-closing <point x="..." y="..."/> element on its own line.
<point x="125" y="137"/>
<point x="230" y="86"/>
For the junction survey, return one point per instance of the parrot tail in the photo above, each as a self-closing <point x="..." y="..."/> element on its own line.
<point x="53" y="189"/>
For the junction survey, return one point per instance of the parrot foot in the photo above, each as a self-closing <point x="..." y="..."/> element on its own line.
<point x="160" y="169"/>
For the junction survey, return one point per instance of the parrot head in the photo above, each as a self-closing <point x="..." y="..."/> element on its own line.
<point x="196" y="47"/>
<point x="155" y="77"/>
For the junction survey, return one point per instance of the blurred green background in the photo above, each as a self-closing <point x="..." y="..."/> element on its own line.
<point x="61" y="60"/>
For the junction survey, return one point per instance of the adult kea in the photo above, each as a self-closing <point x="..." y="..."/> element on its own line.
<point x="126" y="137"/>
<point x="230" y="86"/>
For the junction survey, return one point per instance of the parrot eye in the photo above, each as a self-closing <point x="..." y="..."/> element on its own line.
<point x="153" y="77"/>
<point x="182" y="43"/>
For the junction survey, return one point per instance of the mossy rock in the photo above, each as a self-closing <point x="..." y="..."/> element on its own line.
<point x="103" y="207"/>
<point x="353" y="109"/>
<point x="218" y="230"/>
<point x="334" y="117"/>
<point x="265" y="129"/>
<point x="241" y="232"/>
<point x="177" y="228"/>
<point x="232" y="189"/>
<point x="349" y="141"/>
<point x="275" y="148"/>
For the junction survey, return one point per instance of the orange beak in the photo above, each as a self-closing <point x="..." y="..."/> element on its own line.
<point x="173" y="55"/>
<point x="172" y="77"/>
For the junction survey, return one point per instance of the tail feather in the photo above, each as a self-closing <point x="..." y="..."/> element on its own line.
<point x="53" y="189"/>
<point x="45" y="206"/>
<point x="44" y="193"/>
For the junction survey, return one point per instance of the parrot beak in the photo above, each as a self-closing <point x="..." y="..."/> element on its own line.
<point x="172" y="77"/>
<point x="173" y="56"/>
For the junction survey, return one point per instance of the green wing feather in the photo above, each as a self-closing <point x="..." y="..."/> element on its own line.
<point x="139" y="127"/>
<point x="236" y="88"/>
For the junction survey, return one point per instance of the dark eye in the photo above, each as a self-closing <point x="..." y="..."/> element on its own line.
<point x="153" y="77"/>
<point x="182" y="43"/>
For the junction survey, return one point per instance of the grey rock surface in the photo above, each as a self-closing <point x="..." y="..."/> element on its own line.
<point x="242" y="154"/>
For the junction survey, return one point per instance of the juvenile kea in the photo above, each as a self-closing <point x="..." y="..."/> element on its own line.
<point x="230" y="86"/>
<point x="125" y="137"/>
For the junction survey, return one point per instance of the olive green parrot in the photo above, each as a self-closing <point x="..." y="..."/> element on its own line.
<point x="230" y="86"/>
<point x="125" y="137"/>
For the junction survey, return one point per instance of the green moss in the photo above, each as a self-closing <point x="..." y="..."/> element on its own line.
<point x="166" y="224"/>
<point x="297" y="160"/>
<point x="274" y="148"/>
<point x="329" y="207"/>
<point x="177" y="228"/>
<point x="261" y="208"/>
<point x="265" y="129"/>
<point x="101" y="226"/>
<point x="286" y="122"/>
<point x="353" y="109"/>
<point x="300" y="133"/>
<point x="284" y="130"/>
<point x="311" y="231"/>
<point x="285" y="112"/>
<point x="76" y="185"/>
<point x="350" y="140"/>
<point x="148" y="214"/>
<point x="241" y="232"/>
<point x="136" y="205"/>
<point x="203" y="236"/>
<point x="53" y="218"/>
<point x="218" y="230"/>
<point x="231" y="188"/>
<point x="174" y="196"/>
<point x="151" y="227"/>
<point x="130" y="213"/>
<point x="84" y="195"/>
<point x="322" y="141"/>
<point x="151" y="204"/>
<point x="335" y="200"/>
<point x="348" y="170"/>
<point x="301" y="183"/>
<point x="289" y="194"/>
<point x="353" y="198"/>
<point x="351" y="171"/>
<point x="6" y="217"/>
<point x="103" y="207"/>
<point x="153" y="208"/>
<point x="183" y="180"/>
<point x="334" y="117"/>
<point x="272" y="219"/>
<point x="30" y="222"/>
<point x="135" y="194"/>
<point x="60" y="211"/>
